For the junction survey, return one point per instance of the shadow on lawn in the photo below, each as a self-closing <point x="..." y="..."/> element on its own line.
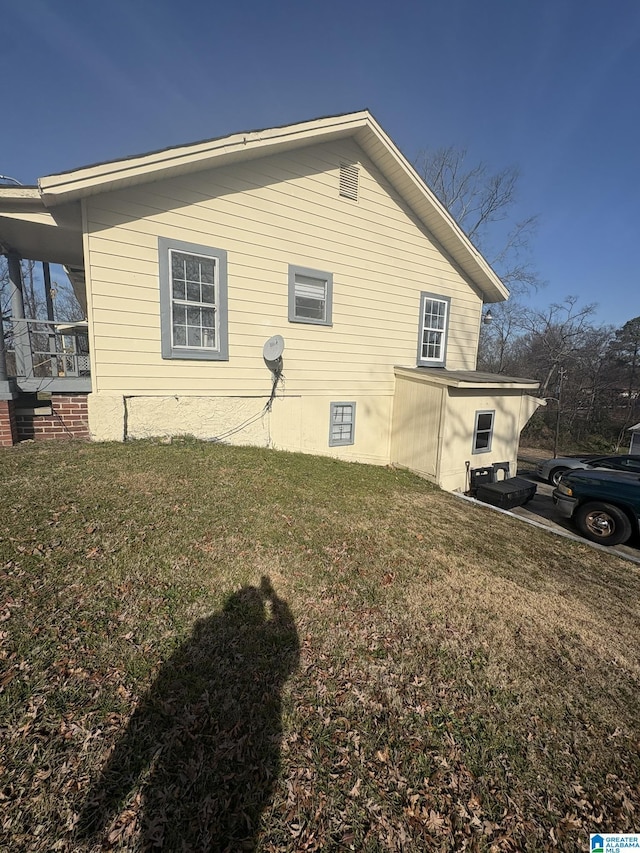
<point x="203" y="746"/>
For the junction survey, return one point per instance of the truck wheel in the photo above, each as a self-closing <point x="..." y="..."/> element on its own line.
<point x="603" y="523"/>
<point x="554" y="476"/>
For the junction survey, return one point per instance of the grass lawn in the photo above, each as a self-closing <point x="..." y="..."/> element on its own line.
<point x="214" y="648"/>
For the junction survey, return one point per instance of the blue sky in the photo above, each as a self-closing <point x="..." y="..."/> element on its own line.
<point x="551" y="86"/>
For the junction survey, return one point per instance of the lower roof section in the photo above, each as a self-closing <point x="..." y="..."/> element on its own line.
<point x="33" y="232"/>
<point x="467" y="379"/>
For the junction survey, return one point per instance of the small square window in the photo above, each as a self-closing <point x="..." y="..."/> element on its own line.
<point x="343" y="424"/>
<point x="310" y="296"/>
<point x="483" y="432"/>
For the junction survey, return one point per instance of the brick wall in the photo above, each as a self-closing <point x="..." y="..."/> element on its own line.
<point x="65" y="418"/>
<point x="8" y="426"/>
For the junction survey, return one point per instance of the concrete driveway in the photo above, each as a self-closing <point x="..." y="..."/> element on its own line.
<point x="542" y="510"/>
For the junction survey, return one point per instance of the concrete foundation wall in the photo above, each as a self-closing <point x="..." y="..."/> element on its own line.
<point x="201" y="417"/>
<point x="295" y="423"/>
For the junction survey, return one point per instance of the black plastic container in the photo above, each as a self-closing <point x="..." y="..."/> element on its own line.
<point x="507" y="493"/>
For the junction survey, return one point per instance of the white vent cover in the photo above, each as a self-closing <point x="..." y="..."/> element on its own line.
<point x="349" y="181"/>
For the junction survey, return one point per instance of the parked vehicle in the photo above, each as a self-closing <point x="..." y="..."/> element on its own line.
<point x="552" y="469"/>
<point x="604" y="505"/>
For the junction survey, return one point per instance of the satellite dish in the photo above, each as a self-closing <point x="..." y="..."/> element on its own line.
<point x="273" y="348"/>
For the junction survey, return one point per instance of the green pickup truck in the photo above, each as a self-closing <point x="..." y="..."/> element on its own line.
<point x="604" y="505"/>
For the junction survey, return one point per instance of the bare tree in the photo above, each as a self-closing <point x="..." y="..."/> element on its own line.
<point x="554" y="337"/>
<point x="625" y="365"/>
<point x="589" y="387"/>
<point x="31" y="296"/>
<point x="498" y="346"/>
<point x="482" y="203"/>
<point x="67" y="305"/>
<point x="625" y="350"/>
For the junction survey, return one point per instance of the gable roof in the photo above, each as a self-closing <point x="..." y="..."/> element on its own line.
<point x="73" y="185"/>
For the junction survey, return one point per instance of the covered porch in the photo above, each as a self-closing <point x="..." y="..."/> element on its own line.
<point x="45" y="365"/>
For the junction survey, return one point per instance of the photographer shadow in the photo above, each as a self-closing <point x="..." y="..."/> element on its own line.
<point x="202" y="750"/>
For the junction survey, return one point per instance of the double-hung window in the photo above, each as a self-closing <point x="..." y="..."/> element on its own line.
<point x="432" y="333"/>
<point x="483" y="432"/>
<point x="310" y="296"/>
<point x="193" y="301"/>
<point x="343" y="424"/>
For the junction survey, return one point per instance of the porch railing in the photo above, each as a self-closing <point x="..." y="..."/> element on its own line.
<point x="42" y="348"/>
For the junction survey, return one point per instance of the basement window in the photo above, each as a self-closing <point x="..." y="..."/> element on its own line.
<point x="343" y="424"/>
<point x="193" y="301"/>
<point x="483" y="431"/>
<point x="310" y="296"/>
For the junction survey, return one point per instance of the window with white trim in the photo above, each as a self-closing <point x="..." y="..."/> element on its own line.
<point x="343" y="424"/>
<point x="483" y="431"/>
<point x="310" y="296"/>
<point x="193" y="301"/>
<point x="434" y="326"/>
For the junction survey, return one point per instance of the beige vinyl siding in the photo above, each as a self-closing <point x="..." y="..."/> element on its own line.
<point x="462" y="407"/>
<point x="433" y="427"/>
<point x="267" y="214"/>
<point x="416" y="434"/>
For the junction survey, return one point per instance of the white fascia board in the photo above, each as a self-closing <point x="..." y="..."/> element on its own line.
<point x="195" y="157"/>
<point x="429" y="209"/>
<point x="18" y="195"/>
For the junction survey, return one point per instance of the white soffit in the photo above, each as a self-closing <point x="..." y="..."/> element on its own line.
<point x="28" y="228"/>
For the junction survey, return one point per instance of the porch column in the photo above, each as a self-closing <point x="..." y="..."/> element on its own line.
<point x="8" y="426"/>
<point x="21" y="338"/>
<point x="3" y="358"/>
<point x="46" y="274"/>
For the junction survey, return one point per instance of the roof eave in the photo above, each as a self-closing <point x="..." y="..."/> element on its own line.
<point x="194" y="157"/>
<point x="104" y="177"/>
<point x="28" y="228"/>
<point x="441" y="377"/>
<point x="19" y="196"/>
<point x="431" y="211"/>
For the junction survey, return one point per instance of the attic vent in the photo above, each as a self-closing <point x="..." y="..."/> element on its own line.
<point x="349" y="181"/>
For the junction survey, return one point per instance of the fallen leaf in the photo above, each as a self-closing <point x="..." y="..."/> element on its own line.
<point x="355" y="791"/>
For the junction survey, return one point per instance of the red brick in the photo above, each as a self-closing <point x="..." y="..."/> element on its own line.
<point x="68" y="419"/>
<point x="8" y="425"/>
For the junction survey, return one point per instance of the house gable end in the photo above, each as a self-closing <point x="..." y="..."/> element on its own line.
<point x="243" y="147"/>
<point x="270" y="215"/>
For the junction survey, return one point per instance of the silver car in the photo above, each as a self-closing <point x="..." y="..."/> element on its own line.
<point x="552" y="469"/>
